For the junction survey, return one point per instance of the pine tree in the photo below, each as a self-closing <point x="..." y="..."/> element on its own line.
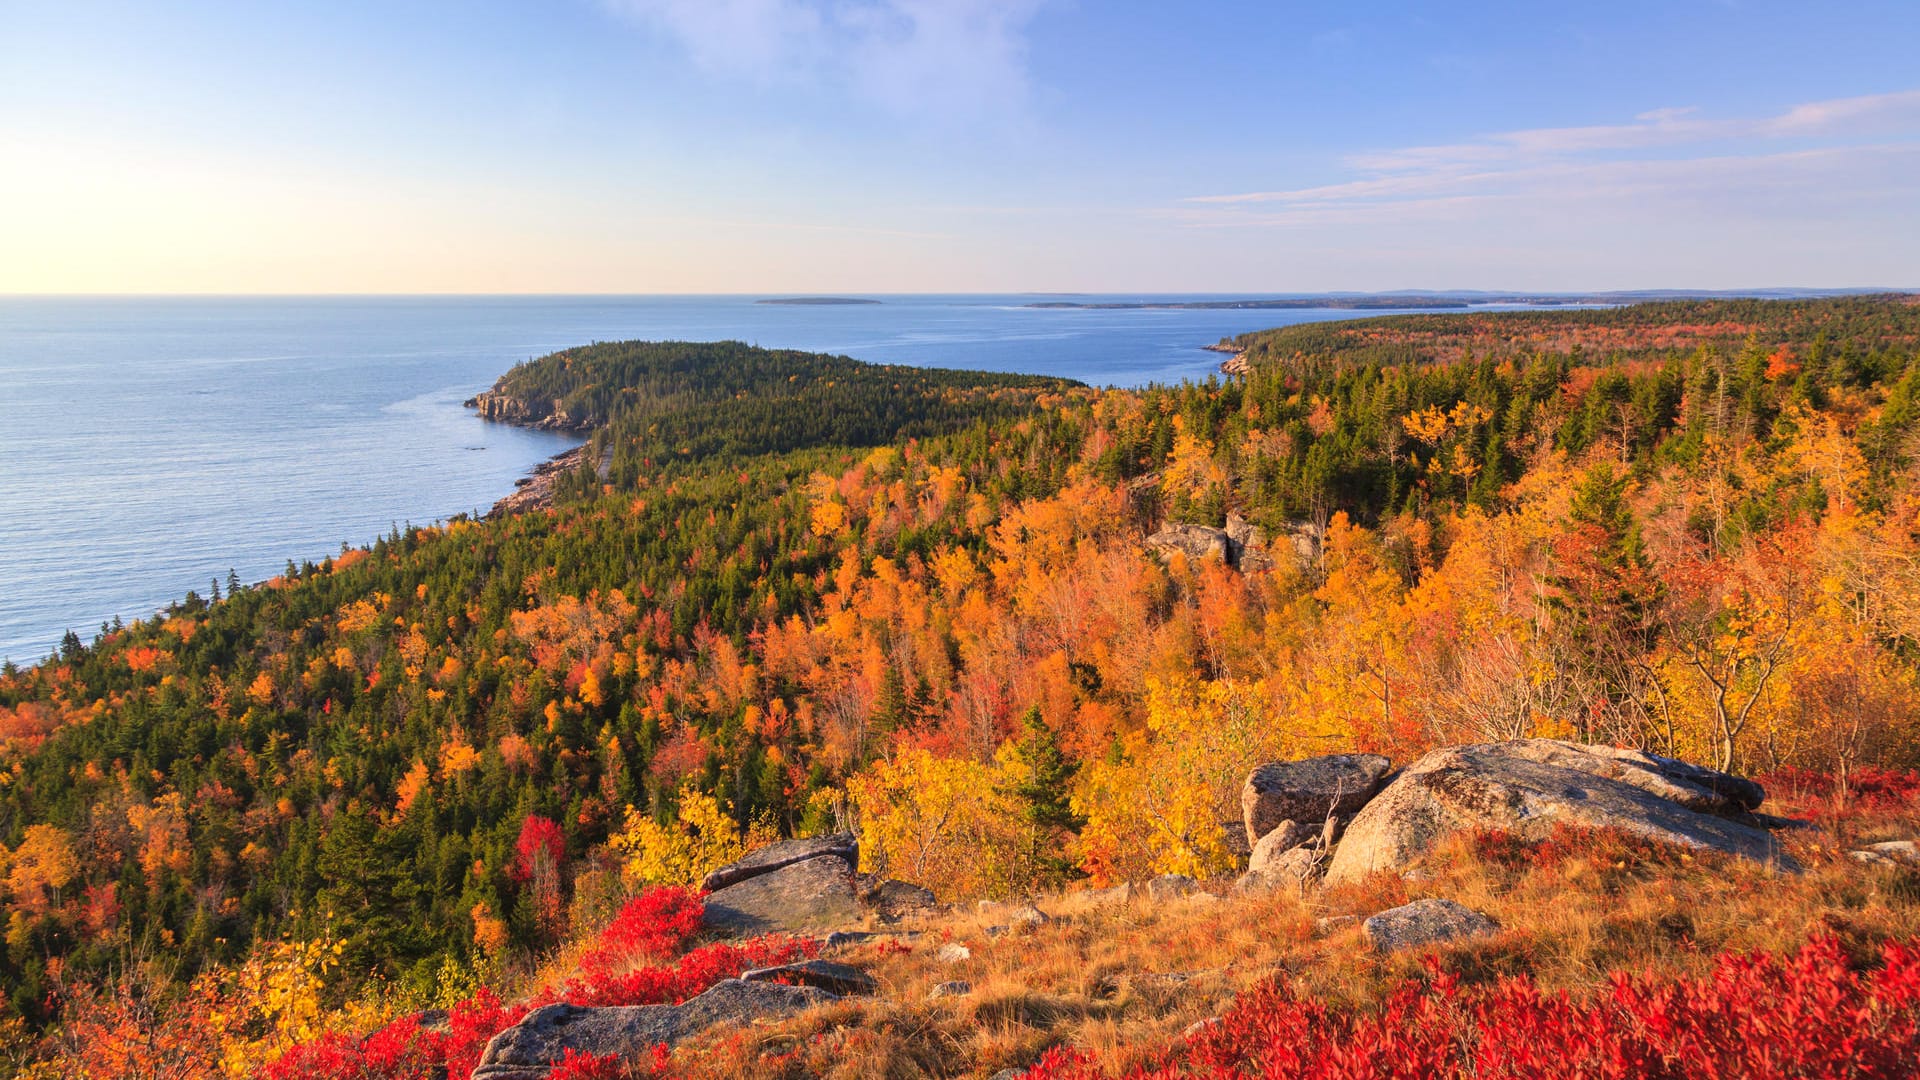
<point x="1047" y="777"/>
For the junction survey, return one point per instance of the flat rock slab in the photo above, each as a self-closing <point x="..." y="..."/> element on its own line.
<point x="816" y="895"/>
<point x="532" y="1048"/>
<point x="841" y="979"/>
<point x="1528" y="786"/>
<point x="1890" y="853"/>
<point x="1308" y="791"/>
<point x="785" y="853"/>
<point x="1425" y="922"/>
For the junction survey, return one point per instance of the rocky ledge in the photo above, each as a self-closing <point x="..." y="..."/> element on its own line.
<point x="546" y="415"/>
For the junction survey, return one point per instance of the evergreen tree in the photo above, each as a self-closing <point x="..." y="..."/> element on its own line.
<point x="1043" y="792"/>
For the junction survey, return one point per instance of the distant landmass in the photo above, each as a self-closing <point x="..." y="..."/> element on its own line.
<point x="1358" y="303"/>
<point x="825" y="301"/>
<point x="1449" y="300"/>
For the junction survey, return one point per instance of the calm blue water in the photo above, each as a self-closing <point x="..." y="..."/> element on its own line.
<point x="148" y="446"/>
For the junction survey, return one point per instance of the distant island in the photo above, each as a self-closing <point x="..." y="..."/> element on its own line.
<point x="820" y="301"/>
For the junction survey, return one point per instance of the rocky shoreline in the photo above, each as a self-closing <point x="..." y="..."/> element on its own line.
<point x="535" y="490"/>
<point x="1236" y="361"/>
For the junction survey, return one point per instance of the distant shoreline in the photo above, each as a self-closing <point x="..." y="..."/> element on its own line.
<point x="819" y="301"/>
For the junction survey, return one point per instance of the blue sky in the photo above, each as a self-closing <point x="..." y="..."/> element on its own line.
<point x="955" y="145"/>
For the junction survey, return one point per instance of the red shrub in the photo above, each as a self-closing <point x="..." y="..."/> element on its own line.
<point x="1758" y="1017"/>
<point x="655" y="924"/>
<point x="1803" y="792"/>
<point x="577" y="1066"/>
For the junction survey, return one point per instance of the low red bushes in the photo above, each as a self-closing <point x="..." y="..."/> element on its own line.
<point x="1757" y="1017"/>
<point x="654" y="925"/>
<point x="1869" y="791"/>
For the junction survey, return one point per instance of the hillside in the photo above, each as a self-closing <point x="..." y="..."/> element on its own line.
<point x="946" y="609"/>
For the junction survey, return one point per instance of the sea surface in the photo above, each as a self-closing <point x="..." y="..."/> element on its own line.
<point x="149" y="446"/>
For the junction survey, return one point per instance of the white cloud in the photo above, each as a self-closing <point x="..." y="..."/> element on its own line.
<point x="948" y="57"/>
<point x="1809" y="155"/>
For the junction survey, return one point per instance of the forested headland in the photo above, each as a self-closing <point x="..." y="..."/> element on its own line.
<point x="788" y="592"/>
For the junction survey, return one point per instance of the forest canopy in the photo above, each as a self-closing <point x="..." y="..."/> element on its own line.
<point x="790" y="592"/>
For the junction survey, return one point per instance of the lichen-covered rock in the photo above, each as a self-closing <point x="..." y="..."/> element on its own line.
<point x="1295" y="868"/>
<point x="1425" y="922"/>
<point x="842" y="979"/>
<point x="1279" y="840"/>
<point x="803" y="897"/>
<point x="1890" y="853"/>
<point x="785" y="853"/>
<point x="1247" y="544"/>
<point x="1171" y="887"/>
<point x="1193" y="541"/>
<point x="1527" y="786"/>
<point x="1308" y="791"/>
<point x="892" y="899"/>
<point x="530" y="1049"/>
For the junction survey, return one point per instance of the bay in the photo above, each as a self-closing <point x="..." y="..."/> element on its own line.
<point x="150" y="445"/>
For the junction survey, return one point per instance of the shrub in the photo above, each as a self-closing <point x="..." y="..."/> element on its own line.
<point x="1755" y="1016"/>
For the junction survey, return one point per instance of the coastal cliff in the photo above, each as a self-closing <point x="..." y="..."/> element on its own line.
<point x="541" y="413"/>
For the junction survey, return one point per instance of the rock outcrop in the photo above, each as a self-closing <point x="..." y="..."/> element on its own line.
<point x="809" y="896"/>
<point x="843" y="980"/>
<point x="892" y="900"/>
<point x="785" y="853"/>
<point x="1241" y="544"/>
<point x="1424" y="922"/>
<point x="548" y="414"/>
<point x="530" y="1049"/>
<point x="1308" y="792"/>
<point x="1529" y="785"/>
<point x="1194" y="541"/>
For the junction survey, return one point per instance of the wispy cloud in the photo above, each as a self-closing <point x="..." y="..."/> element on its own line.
<point x="911" y="57"/>
<point x="1863" y="145"/>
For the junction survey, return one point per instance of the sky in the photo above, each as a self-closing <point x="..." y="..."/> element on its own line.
<point x="877" y="146"/>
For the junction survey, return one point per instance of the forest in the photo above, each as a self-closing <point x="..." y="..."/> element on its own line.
<point x="791" y="592"/>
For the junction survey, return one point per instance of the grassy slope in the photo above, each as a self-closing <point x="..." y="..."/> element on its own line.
<point x="1124" y="981"/>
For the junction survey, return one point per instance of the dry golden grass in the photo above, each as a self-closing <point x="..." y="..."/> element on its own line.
<point x="1122" y="980"/>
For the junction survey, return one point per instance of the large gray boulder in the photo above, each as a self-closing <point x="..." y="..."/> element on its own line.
<point x="1529" y="785"/>
<point x="1424" y="922"/>
<point x="530" y="1049"/>
<point x="1308" y="791"/>
<point x="804" y="897"/>
<point x="785" y="853"/>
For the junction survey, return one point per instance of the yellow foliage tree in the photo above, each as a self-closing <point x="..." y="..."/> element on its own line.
<point x="1160" y="807"/>
<point x="703" y="838"/>
<point x="939" y="821"/>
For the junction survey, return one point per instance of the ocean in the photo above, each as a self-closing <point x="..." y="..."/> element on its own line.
<point x="149" y="446"/>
